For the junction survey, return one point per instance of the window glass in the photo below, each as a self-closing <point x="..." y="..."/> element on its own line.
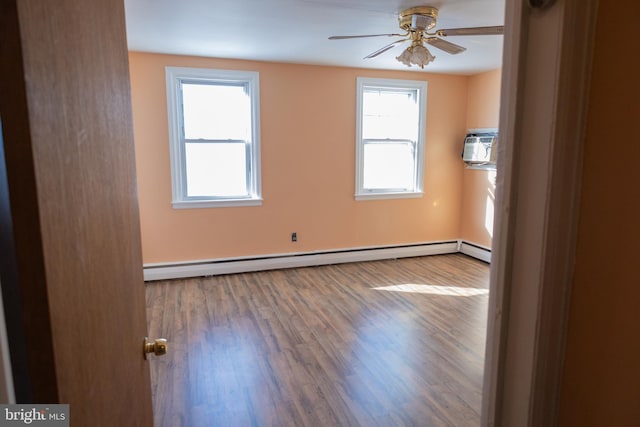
<point x="390" y="138"/>
<point x="388" y="166"/>
<point x="214" y="111"/>
<point x="216" y="170"/>
<point x="214" y="137"/>
<point x="390" y="115"/>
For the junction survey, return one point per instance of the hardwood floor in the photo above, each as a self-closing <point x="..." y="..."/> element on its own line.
<point x="383" y="343"/>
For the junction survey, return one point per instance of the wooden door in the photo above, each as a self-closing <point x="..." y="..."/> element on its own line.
<point x="71" y="253"/>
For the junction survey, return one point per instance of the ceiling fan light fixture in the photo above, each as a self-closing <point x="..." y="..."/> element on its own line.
<point x="416" y="54"/>
<point x="417" y="22"/>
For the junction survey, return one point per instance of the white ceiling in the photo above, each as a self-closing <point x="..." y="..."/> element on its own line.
<point x="296" y="31"/>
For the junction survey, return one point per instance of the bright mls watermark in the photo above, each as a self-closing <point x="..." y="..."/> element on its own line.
<point x="36" y="415"/>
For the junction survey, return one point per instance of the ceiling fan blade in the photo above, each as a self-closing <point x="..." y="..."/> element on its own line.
<point x="366" y="35"/>
<point x="448" y="47"/>
<point x="471" y="31"/>
<point x="384" y="49"/>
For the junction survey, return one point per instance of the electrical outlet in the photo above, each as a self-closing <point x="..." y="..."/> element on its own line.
<point x="294" y="237"/>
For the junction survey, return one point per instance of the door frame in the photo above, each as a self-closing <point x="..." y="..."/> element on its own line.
<point x="545" y="84"/>
<point x="71" y="264"/>
<point x="539" y="159"/>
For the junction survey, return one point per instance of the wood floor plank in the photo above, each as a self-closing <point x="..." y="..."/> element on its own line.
<point x="383" y="343"/>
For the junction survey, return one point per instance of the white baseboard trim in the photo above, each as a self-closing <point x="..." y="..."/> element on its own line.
<point x="480" y="252"/>
<point x="164" y="271"/>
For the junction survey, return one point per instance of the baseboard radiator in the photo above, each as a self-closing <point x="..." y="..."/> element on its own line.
<point x="480" y="252"/>
<point x="163" y="271"/>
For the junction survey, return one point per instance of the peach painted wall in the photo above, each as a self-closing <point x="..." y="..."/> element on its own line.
<point x="601" y="384"/>
<point x="478" y="188"/>
<point x="308" y="165"/>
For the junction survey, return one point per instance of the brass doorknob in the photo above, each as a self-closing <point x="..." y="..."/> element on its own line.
<point x="157" y="347"/>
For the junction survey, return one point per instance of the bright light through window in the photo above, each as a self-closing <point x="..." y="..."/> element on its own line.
<point x="216" y="170"/>
<point x="390" y="138"/>
<point x="216" y="112"/>
<point x="214" y="137"/>
<point x="415" y="288"/>
<point x="489" y="207"/>
<point x="388" y="166"/>
<point x="390" y="115"/>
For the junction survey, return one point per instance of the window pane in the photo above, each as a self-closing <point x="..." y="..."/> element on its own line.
<point x="216" y="112"/>
<point x="216" y="169"/>
<point x="389" y="128"/>
<point x="390" y="115"/>
<point x="388" y="166"/>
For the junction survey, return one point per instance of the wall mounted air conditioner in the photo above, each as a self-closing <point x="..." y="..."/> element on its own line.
<point x="479" y="149"/>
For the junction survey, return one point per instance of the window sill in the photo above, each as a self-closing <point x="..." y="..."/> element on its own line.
<point x="198" y="204"/>
<point x="377" y="196"/>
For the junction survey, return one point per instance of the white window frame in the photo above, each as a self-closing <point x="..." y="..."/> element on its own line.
<point x="417" y="190"/>
<point x="175" y="77"/>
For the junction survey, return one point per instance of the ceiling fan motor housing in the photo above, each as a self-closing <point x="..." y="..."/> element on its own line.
<point x="420" y="18"/>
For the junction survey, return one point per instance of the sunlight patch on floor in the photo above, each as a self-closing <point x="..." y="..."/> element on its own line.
<point x="434" y="290"/>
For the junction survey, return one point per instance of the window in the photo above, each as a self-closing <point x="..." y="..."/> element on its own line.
<point x="390" y="138"/>
<point x="214" y="137"/>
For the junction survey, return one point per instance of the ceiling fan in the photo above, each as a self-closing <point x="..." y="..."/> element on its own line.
<point x="417" y="22"/>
